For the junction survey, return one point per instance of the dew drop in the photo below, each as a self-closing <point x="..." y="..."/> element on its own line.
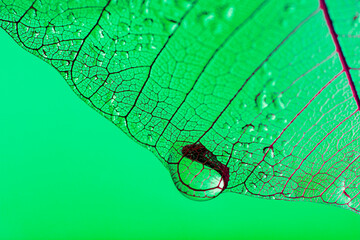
<point x="148" y="22"/>
<point x="260" y="100"/>
<point x="32" y="12"/>
<point x="269" y="151"/>
<point x="226" y="126"/>
<point x="238" y="145"/>
<point x="242" y="105"/>
<point x="122" y="42"/>
<point x="200" y="176"/>
<point x="124" y="55"/>
<point x="169" y="26"/>
<point x="206" y="18"/>
<point x="150" y="138"/>
<point x="229" y="13"/>
<point x="101" y="33"/>
<point x="71" y="18"/>
<point x="271" y="116"/>
<point x="249" y="128"/>
<point x="289" y="8"/>
<point x="138" y="47"/>
<point x="263" y="128"/>
<point x="278" y="102"/>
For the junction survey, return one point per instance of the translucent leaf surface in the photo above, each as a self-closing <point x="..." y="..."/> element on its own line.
<point x="253" y="97"/>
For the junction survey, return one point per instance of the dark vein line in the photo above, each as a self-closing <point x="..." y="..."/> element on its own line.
<point x="339" y="50"/>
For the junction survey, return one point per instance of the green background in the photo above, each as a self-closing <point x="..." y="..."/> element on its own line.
<point x="68" y="173"/>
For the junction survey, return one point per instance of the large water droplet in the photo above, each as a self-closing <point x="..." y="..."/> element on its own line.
<point x="199" y="175"/>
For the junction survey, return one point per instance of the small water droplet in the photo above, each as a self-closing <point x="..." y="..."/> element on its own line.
<point x="32" y="12"/>
<point x="138" y="47"/>
<point x="263" y="128"/>
<point x="226" y="126"/>
<point x="229" y="13"/>
<point x="260" y="100"/>
<point x="101" y="33"/>
<point x="169" y="26"/>
<point x="206" y="18"/>
<point x="122" y="42"/>
<point x="248" y="128"/>
<point x="124" y="55"/>
<point x="148" y="22"/>
<point x="271" y="116"/>
<point x="150" y="138"/>
<point x="269" y="151"/>
<point x="238" y="145"/>
<point x="71" y="18"/>
<point x="289" y="8"/>
<point x="278" y="102"/>
<point x="242" y="105"/>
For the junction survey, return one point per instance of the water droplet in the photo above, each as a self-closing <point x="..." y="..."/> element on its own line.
<point x="248" y="128"/>
<point x="242" y="105"/>
<point x="150" y="138"/>
<point x="169" y="26"/>
<point x="138" y="47"/>
<point x="148" y="22"/>
<point x="206" y="18"/>
<point x="238" y="145"/>
<point x="229" y="13"/>
<point x="271" y="116"/>
<point x="32" y="12"/>
<point x="71" y="18"/>
<point x="14" y="11"/>
<point x="289" y="8"/>
<point x="278" y="102"/>
<point x="269" y="151"/>
<point x="199" y="175"/>
<point x="124" y="55"/>
<point x="226" y="126"/>
<point x="260" y="100"/>
<point x="138" y="28"/>
<point x="101" y="33"/>
<point x="263" y="128"/>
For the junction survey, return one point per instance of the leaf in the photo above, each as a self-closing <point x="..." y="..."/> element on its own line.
<point x="253" y="97"/>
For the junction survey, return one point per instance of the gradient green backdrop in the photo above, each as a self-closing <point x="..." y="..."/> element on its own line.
<point x="68" y="173"/>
